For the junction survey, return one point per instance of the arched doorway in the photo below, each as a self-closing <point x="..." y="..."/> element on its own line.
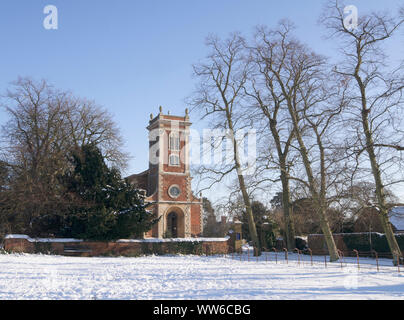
<point x="172" y="225"/>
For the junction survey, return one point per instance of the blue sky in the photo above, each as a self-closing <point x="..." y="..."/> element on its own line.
<point x="132" y="56"/>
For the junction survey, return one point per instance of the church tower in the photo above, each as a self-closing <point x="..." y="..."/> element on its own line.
<point x="167" y="182"/>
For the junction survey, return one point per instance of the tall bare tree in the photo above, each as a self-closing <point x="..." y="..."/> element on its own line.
<point x="296" y="79"/>
<point x="222" y="77"/>
<point x="269" y="101"/>
<point x="377" y="97"/>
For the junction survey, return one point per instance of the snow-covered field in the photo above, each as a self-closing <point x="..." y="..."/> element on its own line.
<point x="24" y="276"/>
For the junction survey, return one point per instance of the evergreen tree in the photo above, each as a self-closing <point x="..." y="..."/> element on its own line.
<point x="266" y="227"/>
<point x="108" y="207"/>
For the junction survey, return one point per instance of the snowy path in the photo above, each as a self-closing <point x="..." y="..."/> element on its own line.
<point x="191" y="277"/>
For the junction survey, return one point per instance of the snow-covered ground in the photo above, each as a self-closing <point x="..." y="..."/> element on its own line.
<point x="24" y="276"/>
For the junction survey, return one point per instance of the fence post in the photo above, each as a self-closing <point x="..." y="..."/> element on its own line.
<point x="311" y="255"/>
<point x="377" y="259"/>
<point x="325" y="261"/>
<point x="298" y="255"/>
<point x="398" y="260"/>
<point x="340" y="256"/>
<point x="357" y="257"/>
<point x="276" y="255"/>
<point x="286" y="255"/>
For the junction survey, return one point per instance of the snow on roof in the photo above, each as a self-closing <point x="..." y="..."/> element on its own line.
<point x="396" y="215"/>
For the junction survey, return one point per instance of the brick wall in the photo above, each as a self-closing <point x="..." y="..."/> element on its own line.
<point x="317" y="244"/>
<point x="196" y="219"/>
<point x="118" y="248"/>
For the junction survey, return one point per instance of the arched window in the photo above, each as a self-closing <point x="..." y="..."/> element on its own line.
<point x="174" y="143"/>
<point x="174" y="160"/>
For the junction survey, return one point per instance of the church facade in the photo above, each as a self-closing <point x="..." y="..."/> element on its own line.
<point x="167" y="182"/>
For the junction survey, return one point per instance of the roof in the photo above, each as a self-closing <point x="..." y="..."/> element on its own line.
<point x="139" y="180"/>
<point x="397" y="217"/>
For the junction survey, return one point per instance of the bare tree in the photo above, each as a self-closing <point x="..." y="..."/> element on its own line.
<point x="45" y="125"/>
<point x="269" y="101"/>
<point x="89" y="123"/>
<point x="35" y="144"/>
<point x="220" y="96"/>
<point x="377" y="98"/>
<point x="297" y="80"/>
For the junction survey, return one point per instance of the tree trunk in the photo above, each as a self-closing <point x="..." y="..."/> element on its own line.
<point x="247" y="203"/>
<point x="251" y="223"/>
<point x="282" y="155"/>
<point x="289" y="225"/>
<point x="380" y="194"/>
<point x="321" y="210"/>
<point x="329" y="239"/>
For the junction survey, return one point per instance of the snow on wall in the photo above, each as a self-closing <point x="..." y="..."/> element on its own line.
<point x="23" y="236"/>
<point x="176" y="240"/>
<point x="123" y="247"/>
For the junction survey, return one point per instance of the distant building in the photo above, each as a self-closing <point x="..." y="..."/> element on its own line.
<point x="167" y="182"/>
<point x="396" y="215"/>
<point x="214" y="228"/>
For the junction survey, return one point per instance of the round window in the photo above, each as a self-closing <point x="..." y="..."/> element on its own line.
<point x="174" y="191"/>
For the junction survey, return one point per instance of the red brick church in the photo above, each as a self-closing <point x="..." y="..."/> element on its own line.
<point x="167" y="182"/>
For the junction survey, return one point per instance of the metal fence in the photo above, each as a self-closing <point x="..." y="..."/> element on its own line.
<point x="364" y="260"/>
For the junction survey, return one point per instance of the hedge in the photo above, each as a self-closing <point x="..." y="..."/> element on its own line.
<point x="363" y="242"/>
<point x="368" y="242"/>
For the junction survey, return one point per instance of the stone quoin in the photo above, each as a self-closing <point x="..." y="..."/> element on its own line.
<point x="167" y="181"/>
